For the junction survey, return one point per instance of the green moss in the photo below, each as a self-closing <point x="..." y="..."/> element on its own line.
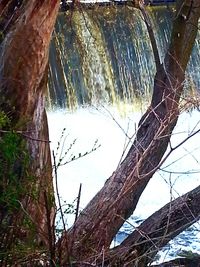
<point x="4" y="120"/>
<point x="14" y="163"/>
<point x="17" y="185"/>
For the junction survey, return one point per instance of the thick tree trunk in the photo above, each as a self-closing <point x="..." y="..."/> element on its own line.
<point x="100" y="221"/>
<point x="24" y="56"/>
<point x="156" y="231"/>
<point x="140" y="247"/>
<point x="23" y="78"/>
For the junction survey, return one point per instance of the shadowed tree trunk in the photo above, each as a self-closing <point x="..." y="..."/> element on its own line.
<point x="23" y="77"/>
<point x="23" y="80"/>
<point x="157" y="230"/>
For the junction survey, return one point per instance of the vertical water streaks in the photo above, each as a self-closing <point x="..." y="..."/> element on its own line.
<point x="104" y="55"/>
<point x="96" y="67"/>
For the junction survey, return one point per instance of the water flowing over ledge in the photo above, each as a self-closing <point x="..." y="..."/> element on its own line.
<point x="104" y="56"/>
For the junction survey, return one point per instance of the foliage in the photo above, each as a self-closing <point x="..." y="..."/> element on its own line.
<point x="14" y="161"/>
<point x="4" y="120"/>
<point x="66" y="209"/>
<point x="103" y="217"/>
<point x="15" y="180"/>
<point x="62" y="155"/>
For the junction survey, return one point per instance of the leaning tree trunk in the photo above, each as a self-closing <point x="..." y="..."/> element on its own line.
<point x="100" y="221"/>
<point x="142" y="245"/>
<point x="27" y="202"/>
<point x="27" y="169"/>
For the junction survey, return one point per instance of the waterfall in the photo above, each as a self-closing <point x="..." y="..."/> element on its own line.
<point x="103" y="55"/>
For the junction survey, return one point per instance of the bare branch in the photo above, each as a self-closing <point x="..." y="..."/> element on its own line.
<point x="152" y="38"/>
<point x="157" y="230"/>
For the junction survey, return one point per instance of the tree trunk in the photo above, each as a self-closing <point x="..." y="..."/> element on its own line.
<point x="23" y="79"/>
<point x="100" y="221"/>
<point x="156" y="231"/>
<point x="24" y="56"/>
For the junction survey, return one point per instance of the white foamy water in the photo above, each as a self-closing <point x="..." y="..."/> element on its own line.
<point x="89" y="124"/>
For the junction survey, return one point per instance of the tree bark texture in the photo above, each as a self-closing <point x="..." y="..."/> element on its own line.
<point x="23" y="79"/>
<point x="24" y="56"/>
<point x="100" y="221"/>
<point x="156" y="231"/>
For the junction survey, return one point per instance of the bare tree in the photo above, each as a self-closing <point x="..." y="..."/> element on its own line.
<point x="24" y="57"/>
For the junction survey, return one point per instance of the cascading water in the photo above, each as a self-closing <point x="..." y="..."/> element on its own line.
<point x="104" y="55"/>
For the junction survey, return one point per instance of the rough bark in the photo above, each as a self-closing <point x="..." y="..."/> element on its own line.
<point x="22" y="86"/>
<point x="156" y="231"/>
<point x="99" y="222"/>
<point x="23" y="78"/>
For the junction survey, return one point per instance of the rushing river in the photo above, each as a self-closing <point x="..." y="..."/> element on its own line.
<point x="179" y="174"/>
<point x="104" y="56"/>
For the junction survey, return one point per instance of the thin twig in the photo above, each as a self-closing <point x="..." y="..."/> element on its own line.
<point x="25" y="135"/>
<point x="78" y="202"/>
<point x="76" y="215"/>
<point x="51" y="238"/>
<point x="57" y="191"/>
<point x="36" y="139"/>
<point x="151" y="36"/>
<point x="60" y="208"/>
